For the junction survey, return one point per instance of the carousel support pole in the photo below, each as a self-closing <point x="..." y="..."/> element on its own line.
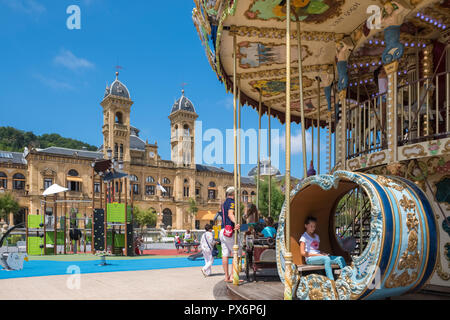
<point x="259" y="149"/>
<point x="126" y="211"/>
<point x="288" y="255"/>
<point x="236" y="199"/>
<point x="55" y="215"/>
<point x="26" y="230"/>
<point x="126" y="225"/>
<point x="238" y="215"/>
<point x="302" y="107"/>
<point x="65" y="222"/>
<point x="318" y="125"/>
<point x="343" y="121"/>
<point x="45" y="229"/>
<point x="270" y="167"/>
<point x="106" y="217"/>
<point x="93" y="189"/>
<point x="391" y="109"/>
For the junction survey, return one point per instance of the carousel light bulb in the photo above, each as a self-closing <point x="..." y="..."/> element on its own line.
<point x="376" y="41"/>
<point x="426" y="19"/>
<point x="360" y="64"/>
<point x="435" y="23"/>
<point x="351" y="84"/>
<point x="421" y="17"/>
<point x="443" y="27"/>
<point x="370" y="41"/>
<point x="365" y="81"/>
<point x="367" y="64"/>
<point x="423" y="46"/>
<point x="406" y="44"/>
<point x="379" y="62"/>
<point x="382" y="42"/>
<point x="412" y="44"/>
<point x="418" y="14"/>
<point x="431" y="20"/>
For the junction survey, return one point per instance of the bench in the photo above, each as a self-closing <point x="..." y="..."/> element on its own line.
<point x="308" y="268"/>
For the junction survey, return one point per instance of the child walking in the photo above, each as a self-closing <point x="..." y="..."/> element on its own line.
<point x="207" y="244"/>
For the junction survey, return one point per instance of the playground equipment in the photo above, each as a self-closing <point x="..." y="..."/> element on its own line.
<point x="12" y="260"/>
<point x="400" y="253"/>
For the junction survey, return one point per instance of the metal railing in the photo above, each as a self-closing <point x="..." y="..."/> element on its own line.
<point x="423" y="113"/>
<point x="366" y="126"/>
<point x="423" y="109"/>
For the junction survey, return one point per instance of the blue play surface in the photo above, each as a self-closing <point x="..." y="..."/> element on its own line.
<point x="39" y="268"/>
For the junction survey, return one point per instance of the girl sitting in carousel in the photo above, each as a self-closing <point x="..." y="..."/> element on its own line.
<point x="309" y="248"/>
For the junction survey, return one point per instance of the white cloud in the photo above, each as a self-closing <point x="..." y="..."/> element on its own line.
<point x="296" y="141"/>
<point x="53" y="83"/>
<point x="67" y="59"/>
<point x="31" y="7"/>
<point x="226" y="103"/>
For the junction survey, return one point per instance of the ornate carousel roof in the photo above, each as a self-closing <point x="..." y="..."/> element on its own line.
<point x="330" y="30"/>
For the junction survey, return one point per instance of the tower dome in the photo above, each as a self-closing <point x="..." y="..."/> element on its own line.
<point x="183" y="104"/>
<point x="117" y="88"/>
<point x="265" y="169"/>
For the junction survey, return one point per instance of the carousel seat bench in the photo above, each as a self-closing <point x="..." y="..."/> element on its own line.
<point x="304" y="269"/>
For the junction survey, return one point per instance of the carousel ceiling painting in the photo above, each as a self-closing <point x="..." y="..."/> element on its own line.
<point x="338" y="49"/>
<point x="258" y="54"/>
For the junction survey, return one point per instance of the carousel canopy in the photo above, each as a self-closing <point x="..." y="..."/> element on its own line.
<point x="330" y="29"/>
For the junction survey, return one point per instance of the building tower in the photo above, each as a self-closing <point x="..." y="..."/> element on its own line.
<point x="182" y="138"/>
<point x="116" y="120"/>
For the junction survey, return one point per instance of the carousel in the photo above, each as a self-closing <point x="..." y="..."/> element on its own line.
<point x="373" y="77"/>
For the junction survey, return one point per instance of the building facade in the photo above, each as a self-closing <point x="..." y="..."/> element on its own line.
<point x="26" y="175"/>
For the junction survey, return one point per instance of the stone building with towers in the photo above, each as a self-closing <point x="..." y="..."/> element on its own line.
<point x="26" y="175"/>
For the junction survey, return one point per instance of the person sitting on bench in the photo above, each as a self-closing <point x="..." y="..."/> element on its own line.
<point x="309" y="248"/>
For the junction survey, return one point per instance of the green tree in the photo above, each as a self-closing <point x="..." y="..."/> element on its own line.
<point x="193" y="209"/>
<point x="8" y="204"/>
<point x="277" y="198"/>
<point x="145" y="217"/>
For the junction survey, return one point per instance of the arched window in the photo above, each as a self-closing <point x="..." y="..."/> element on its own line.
<point x="150" y="190"/>
<point x="73" y="184"/>
<point x="186" y="181"/>
<point x="133" y="178"/>
<point x="186" y="130"/>
<point x="3" y="180"/>
<point x="253" y="196"/>
<point x="212" y="192"/>
<point x="176" y="130"/>
<point x="168" y="188"/>
<point x="72" y="173"/>
<point x="18" y="181"/>
<point x="244" y="196"/>
<point x="119" y="118"/>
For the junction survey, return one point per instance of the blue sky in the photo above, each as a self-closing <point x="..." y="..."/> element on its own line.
<point x="53" y="79"/>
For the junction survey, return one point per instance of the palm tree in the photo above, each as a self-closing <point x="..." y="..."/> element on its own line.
<point x="193" y="209"/>
<point x="8" y="204"/>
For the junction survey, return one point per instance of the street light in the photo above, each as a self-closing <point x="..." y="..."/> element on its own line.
<point x="120" y="165"/>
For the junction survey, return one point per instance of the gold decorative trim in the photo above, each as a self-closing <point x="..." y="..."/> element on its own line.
<point x="275" y="33"/>
<point x="376" y="158"/>
<point x="282" y="71"/>
<point x="446" y="147"/>
<point x="389" y="183"/>
<point x="417" y="151"/>
<point x="410" y="258"/>
<point x="353" y="164"/>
